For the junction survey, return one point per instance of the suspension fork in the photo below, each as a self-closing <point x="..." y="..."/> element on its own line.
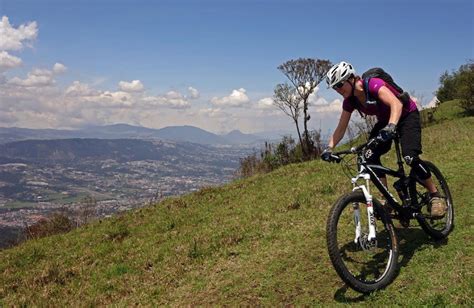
<point x="370" y="209"/>
<point x="358" y="229"/>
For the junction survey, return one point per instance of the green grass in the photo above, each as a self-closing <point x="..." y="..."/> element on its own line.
<point x="257" y="241"/>
<point x="448" y="111"/>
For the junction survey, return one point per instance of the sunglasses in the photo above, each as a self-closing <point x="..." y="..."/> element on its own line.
<point x="338" y="85"/>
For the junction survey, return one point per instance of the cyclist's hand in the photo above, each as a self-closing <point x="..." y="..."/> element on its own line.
<point x="327" y="155"/>
<point x="387" y="133"/>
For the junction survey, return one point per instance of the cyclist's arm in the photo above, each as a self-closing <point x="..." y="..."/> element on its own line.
<point x="340" y="129"/>
<point x="388" y="98"/>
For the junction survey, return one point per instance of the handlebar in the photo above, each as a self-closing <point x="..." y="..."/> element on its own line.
<point x="355" y="150"/>
<point x="372" y="143"/>
<point x="336" y="156"/>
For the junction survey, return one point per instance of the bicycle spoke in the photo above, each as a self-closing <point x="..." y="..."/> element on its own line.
<point x="367" y="263"/>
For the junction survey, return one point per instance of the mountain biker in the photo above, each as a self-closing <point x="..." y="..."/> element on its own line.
<point x="392" y="116"/>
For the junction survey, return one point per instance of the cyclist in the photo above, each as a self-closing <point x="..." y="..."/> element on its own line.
<point x="392" y="116"/>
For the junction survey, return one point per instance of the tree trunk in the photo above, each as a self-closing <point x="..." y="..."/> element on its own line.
<point x="299" y="133"/>
<point x="307" y="145"/>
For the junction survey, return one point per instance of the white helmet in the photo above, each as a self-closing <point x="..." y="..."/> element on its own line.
<point x="338" y="73"/>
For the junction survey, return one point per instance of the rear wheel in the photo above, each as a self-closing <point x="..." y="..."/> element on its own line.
<point x="437" y="228"/>
<point x="364" y="265"/>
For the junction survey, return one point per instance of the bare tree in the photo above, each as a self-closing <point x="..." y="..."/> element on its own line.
<point x="288" y="101"/>
<point x="305" y="74"/>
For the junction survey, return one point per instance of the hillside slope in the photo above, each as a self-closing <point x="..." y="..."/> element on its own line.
<point x="255" y="241"/>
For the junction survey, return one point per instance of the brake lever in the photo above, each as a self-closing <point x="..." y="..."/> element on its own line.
<point x="372" y="143"/>
<point x="336" y="158"/>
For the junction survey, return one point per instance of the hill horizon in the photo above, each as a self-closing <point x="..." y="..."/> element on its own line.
<point x="187" y="133"/>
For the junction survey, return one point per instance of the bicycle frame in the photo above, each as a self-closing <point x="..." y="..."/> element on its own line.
<point x="367" y="173"/>
<point x="409" y="204"/>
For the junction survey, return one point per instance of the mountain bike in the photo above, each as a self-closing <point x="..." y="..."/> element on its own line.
<point x="361" y="238"/>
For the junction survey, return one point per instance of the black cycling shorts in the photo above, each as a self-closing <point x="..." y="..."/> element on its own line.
<point x="409" y="130"/>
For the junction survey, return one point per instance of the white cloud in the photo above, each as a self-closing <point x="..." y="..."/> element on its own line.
<point x="265" y="103"/>
<point x="175" y="100"/>
<point x="238" y="98"/>
<point x="177" y="104"/>
<point x="174" y="95"/>
<point x="314" y="99"/>
<point x="78" y="89"/>
<point x="172" y="99"/>
<point x="8" y="61"/>
<point x="35" y="78"/>
<point x="59" y="68"/>
<point x="193" y="93"/>
<point x="113" y="99"/>
<point x="15" y="38"/>
<point x="325" y="107"/>
<point x="39" y="77"/>
<point x="213" y="113"/>
<point x="134" y="86"/>
<point x="318" y="101"/>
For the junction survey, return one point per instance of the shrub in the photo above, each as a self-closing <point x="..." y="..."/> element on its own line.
<point x="273" y="156"/>
<point x="55" y="224"/>
<point x="459" y="84"/>
<point x="465" y="90"/>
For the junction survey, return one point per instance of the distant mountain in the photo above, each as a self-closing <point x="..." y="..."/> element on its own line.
<point x="120" y="131"/>
<point x="190" y="134"/>
<point x="16" y="133"/>
<point x="237" y="137"/>
<point x="124" y="130"/>
<point x="75" y="150"/>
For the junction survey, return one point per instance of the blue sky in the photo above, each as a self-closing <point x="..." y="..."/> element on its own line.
<point x="226" y="51"/>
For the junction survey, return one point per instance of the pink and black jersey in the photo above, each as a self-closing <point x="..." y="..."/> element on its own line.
<point x="376" y="107"/>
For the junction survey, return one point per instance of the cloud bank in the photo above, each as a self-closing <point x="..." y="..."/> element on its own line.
<point x="41" y="97"/>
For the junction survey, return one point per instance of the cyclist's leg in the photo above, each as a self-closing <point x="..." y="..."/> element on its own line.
<point x="409" y="129"/>
<point x="374" y="157"/>
<point x="410" y="137"/>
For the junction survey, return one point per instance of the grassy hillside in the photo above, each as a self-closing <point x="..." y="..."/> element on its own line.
<point x="258" y="241"/>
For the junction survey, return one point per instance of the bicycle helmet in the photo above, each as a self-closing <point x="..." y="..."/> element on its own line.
<point x="338" y="73"/>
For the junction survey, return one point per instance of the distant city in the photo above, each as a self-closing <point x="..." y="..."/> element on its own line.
<point x="45" y="171"/>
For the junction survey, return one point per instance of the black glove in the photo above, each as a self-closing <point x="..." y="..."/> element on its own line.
<point x="326" y="155"/>
<point x="387" y="133"/>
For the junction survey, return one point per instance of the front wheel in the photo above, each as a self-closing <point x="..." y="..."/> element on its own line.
<point x="437" y="228"/>
<point x="364" y="265"/>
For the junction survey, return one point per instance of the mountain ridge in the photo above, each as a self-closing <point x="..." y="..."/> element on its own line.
<point x="186" y="133"/>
